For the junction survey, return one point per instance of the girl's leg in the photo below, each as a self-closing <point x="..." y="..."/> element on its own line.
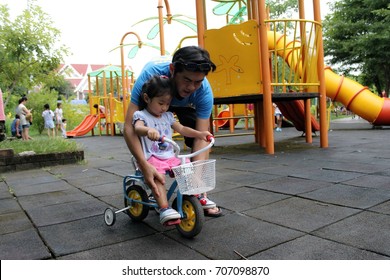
<point x="162" y="199"/>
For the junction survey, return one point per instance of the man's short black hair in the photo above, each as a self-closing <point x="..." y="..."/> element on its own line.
<point x="193" y="58"/>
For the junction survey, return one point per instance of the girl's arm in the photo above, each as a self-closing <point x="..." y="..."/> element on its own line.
<point x="142" y="130"/>
<point x="189" y="132"/>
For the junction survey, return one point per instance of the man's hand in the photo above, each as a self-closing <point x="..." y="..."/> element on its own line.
<point x="151" y="175"/>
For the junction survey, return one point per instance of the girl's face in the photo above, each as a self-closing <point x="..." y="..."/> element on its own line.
<point x="158" y="105"/>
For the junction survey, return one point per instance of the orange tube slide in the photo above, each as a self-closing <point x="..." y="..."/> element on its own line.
<point x="351" y="94"/>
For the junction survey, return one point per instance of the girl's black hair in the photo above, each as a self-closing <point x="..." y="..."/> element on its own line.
<point x="46" y="106"/>
<point x="156" y="86"/>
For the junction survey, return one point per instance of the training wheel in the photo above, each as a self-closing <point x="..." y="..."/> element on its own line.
<point x="109" y="217"/>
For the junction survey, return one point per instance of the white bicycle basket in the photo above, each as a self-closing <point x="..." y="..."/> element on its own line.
<point x="195" y="177"/>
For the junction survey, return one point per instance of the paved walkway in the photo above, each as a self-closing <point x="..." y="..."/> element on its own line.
<point x="303" y="202"/>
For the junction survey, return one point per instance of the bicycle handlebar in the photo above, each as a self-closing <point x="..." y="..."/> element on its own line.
<point x="176" y="147"/>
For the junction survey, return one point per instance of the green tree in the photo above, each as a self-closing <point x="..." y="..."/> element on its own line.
<point x="357" y="40"/>
<point x="29" y="51"/>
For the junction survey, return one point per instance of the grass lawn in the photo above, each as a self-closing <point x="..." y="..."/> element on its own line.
<point x="41" y="144"/>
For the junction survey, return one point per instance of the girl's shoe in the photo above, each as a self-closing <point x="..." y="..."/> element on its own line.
<point x="206" y="203"/>
<point x="167" y="214"/>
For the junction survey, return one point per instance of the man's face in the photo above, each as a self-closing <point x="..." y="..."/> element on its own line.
<point x="187" y="82"/>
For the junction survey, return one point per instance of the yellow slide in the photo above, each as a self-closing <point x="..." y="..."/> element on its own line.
<point x="352" y="95"/>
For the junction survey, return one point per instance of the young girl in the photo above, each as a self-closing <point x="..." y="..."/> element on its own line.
<point x="16" y="127"/>
<point x="152" y="122"/>
<point x="58" y="118"/>
<point x="48" y="116"/>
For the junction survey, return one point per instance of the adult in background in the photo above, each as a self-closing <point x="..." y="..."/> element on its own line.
<point x="192" y="104"/>
<point x="22" y="111"/>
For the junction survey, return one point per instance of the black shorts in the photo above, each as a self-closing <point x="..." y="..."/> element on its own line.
<point x="187" y="117"/>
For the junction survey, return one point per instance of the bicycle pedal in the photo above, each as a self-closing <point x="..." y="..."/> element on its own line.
<point x="172" y="222"/>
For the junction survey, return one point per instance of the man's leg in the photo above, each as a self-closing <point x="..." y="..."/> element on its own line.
<point x="187" y="117"/>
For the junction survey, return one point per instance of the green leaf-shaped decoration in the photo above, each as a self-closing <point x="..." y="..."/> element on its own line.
<point x="188" y="24"/>
<point x="133" y="52"/>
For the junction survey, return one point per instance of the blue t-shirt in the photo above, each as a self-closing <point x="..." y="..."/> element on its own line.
<point x="201" y="100"/>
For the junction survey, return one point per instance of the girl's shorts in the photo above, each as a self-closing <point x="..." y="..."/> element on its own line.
<point x="163" y="165"/>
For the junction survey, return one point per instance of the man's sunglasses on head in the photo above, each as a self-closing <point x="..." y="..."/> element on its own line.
<point x="192" y="66"/>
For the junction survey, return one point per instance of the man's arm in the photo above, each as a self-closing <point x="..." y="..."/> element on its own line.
<point x="133" y="143"/>
<point x="201" y="125"/>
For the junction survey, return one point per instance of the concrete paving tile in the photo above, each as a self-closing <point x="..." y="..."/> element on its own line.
<point x="51" y="186"/>
<point x="115" y="201"/>
<point x="325" y="175"/>
<point x="105" y="189"/>
<point x="154" y="247"/>
<point x="37" y="178"/>
<point x="371" y="181"/>
<point x="52" y="198"/>
<point x="23" y="245"/>
<point x="301" y="214"/>
<point x="353" y="167"/>
<point x="65" y="212"/>
<point x="313" y="248"/>
<point x="368" y="231"/>
<point x="243" y="178"/>
<point x="14" y="222"/>
<point x="89" y="233"/>
<point x="120" y="169"/>
<point x="383" y="208"/>
<point x="244" y="198"/>
<point x="9" y="205"/>
<point x="100" y="179"/>
<point x="292" y="186"/>
<point x="357" y="197"/>
<point x="221" y="237"/>
<point x="4" y="192"/>
<point x="80" y="173"/>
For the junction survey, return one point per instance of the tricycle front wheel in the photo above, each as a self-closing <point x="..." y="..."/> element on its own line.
<point x="192" y="222"/>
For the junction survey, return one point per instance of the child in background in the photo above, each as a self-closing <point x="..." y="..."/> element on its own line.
<point x="48" y="116"/>
<point x="58" y="117"/>
<point x="63" y="128"/>
<point x="152" y="122"/>
<point x="16" y="127"/>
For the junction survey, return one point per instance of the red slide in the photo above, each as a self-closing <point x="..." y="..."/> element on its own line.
<point x="84" y="127"/>
<point x="294" y="111"/>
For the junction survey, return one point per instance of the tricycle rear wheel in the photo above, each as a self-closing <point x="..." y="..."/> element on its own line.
<point x="137" y="211"/>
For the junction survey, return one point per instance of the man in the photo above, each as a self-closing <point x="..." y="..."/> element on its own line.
<point x="192" y="104"/>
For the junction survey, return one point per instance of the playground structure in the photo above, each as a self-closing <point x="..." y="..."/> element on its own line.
<point x="113" y="113"/>
<point x="261" y="61"/>
<point x="290" y="71"/>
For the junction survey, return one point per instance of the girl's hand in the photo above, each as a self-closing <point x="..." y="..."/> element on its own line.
<point x="204" y="135"/>
<point x="153" y="134"/>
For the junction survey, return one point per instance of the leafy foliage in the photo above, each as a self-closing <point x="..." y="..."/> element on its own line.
<point x="357" y="40"/>
<point x="29" y="51"/>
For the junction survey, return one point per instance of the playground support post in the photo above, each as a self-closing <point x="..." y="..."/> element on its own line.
<point x="307" y="113"/>
<point x="321" y="76"/>
<point x="200" y="21"/>
<point x="161" y="23"/>
<point x="266" y="78"/>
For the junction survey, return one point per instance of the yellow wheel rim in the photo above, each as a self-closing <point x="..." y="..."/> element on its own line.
<point x="188" y="223"/>
<point x="136" y="208"/>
